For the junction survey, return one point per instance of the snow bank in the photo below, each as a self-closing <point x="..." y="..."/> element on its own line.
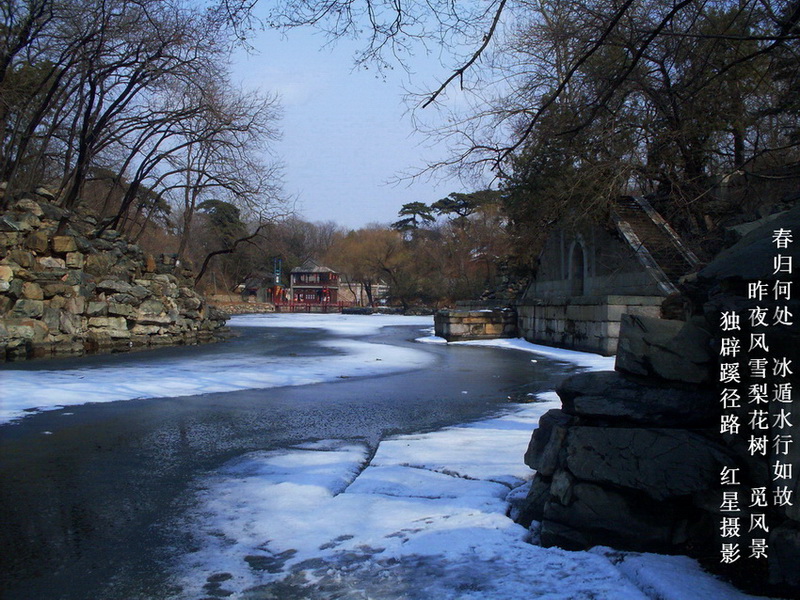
<point x="426" y="518"/>
<point x="143" y="377"/>
<point x="351" y="325"/>
<point x="582" y="359"/>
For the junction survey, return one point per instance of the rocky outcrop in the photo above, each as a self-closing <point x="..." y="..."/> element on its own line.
<point x="624" y="464"/>
<point x="65" y="290"/>
<point x="634" y="457"/>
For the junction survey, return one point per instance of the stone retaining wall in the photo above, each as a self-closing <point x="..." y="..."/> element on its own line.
<point x="589" y="323"/>
<point x="459" y="325"/>
<point x="65" y="290"/>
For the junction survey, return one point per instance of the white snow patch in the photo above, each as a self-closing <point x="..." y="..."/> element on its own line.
<point x="583" y="359"/>
<point x="24" y="390"/>
<point x="354" y="325"/>
<point x="671" y="577"/>
<point x="425" y="519"/>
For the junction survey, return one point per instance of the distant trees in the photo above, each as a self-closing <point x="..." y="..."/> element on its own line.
<point x="430" y="261"/>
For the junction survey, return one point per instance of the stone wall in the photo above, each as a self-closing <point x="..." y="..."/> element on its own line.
<point x="591" y="262"/>
<point x="65" y="291"/>
<point x="458" y="325"/>
<point x="589" y="323"/>
<point x="633" y="458"/>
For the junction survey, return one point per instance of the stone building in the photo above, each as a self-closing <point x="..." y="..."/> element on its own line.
<point x="587" y="279"/>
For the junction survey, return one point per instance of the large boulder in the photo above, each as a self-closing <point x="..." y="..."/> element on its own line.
<point x="547" y="441"/>
<point x="662" y="463"/>
<point x="665" y="349"/>
<point x="601" y="515"/>
<point x="611" y="396"/>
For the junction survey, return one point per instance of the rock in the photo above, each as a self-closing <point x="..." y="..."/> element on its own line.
<point x="609" y="395"/>
<point x="36" y="241"/>
<point x="553" y="533"/>
<point x="150" y="319"/>
<point x="152" y="307"/>
<point x="146" y="329"/>
<point x="70" y="323"/>
<point x="671" y="350"/>
<point x="54" y="289"/>
<point x="25" y="222"/>
<point x="50" y="262"/>
<point x="20" y="330"/>
<point x="562" y="486"/>
<point x="533" y="507"/>
<point x="661" y="463"/>
<point x="49" y="282"/>
<point x="52" y="318"/>
<point x="115" y="308"/>
<point x="99" y="264"/>
<point x="115" y="323"/>
<point x="45" y="193"/>
<point x="9" y="239"/>
<point x="190" y="303"/>
<point x="74" y="260"/>
<point x="124" y="299"/>
<point x="75" y="305"/>
<point x="21" y="257"/>
<point x="600" y="515"/>
<point x="751" y="257"/>
<point x="14" y="289"/>
<point x="83" y="245"/>
<point x="546" y="442"/>
<point x="53" y="212"/>
<point x="30" y="206"/>
<point x="32" y="291"/>
<point x="139" y="292"/>
<point x="27" y="309"/>
<point x="97" y="309"/>
<point x="53" y="273"/>
<point x="64" y="243"/>
<point x="114" y="285"/>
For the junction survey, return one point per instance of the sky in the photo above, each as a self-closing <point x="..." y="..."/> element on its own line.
<point x="346" y="133"/>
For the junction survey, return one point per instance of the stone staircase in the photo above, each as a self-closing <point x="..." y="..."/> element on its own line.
<point x="656" y="244"/>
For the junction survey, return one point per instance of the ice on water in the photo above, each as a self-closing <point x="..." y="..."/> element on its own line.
<point x="425" y="517"/>
<point x="23" y="389"/>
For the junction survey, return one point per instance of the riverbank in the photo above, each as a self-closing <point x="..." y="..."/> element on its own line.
<point x="256" y="492"/>
<point x="426" y="516"/>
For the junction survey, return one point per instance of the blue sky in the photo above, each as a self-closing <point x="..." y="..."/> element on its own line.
<point x="346" y="132"/>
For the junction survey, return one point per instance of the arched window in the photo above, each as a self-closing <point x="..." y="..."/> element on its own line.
<point x="577" y="269"/>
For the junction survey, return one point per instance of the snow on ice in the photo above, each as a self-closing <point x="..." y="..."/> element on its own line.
<point x="25" y="389"/>
<point x="426" y="517"/>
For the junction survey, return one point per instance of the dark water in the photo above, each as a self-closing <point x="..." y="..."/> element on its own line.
<point x="86" y="512"/>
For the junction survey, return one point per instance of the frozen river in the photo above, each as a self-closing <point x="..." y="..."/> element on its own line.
<point x="314" y="456"/>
